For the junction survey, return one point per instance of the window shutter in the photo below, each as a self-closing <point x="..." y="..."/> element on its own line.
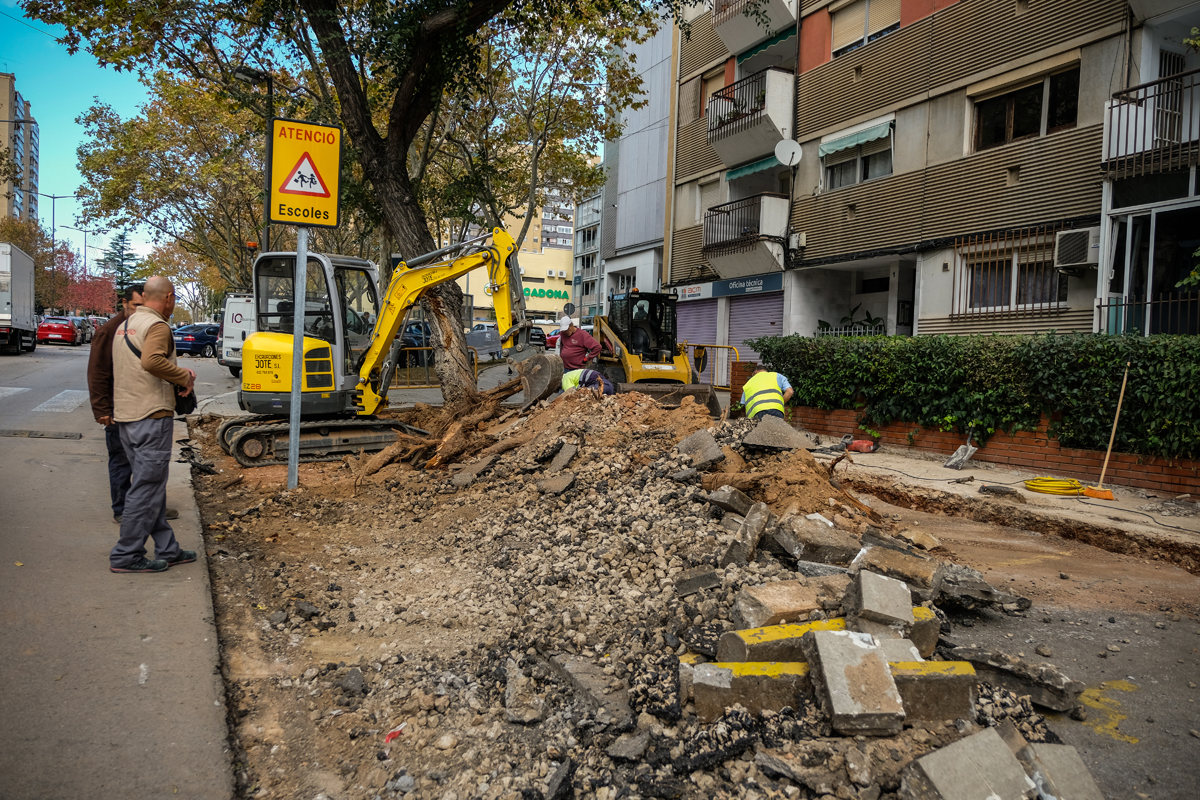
<point x="882" y="14"/>
<point x="849" y="24"/>
<point x="841" y="156"/>
<point x="689" y="101"/>
<point x="710" y="195"/>
<point x="877" y="146"/>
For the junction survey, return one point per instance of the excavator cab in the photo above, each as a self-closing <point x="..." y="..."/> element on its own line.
<point x="646" y="324"/>
<point x="341" y="298"/>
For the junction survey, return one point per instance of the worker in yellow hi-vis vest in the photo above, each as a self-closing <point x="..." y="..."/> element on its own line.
<point x="765" y="393"/>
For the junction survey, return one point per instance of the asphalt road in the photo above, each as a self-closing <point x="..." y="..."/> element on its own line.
<point x="110" y="686"/>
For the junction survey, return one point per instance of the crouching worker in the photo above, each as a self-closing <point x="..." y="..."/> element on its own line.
<point x="587" y="379"/>
<point x="765" y="394"/>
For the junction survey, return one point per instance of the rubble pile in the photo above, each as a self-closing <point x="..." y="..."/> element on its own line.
<point x="627" y="601"/>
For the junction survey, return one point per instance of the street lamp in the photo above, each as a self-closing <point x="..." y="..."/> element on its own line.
<point x="254" y="77"/>
<point x="54" y="198"/>
<point x="85" y="233"/>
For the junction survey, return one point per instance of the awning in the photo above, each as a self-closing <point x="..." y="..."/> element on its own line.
<point x="782" y="36"/>
<point x="853" y="140"/>
<point x="751" y="168"/>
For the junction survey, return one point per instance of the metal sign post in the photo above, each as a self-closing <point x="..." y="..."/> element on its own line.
<point x="304" y="163"/>
<point x="298" y="310"/>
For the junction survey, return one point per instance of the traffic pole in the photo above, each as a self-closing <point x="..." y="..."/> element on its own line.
<point x="298" y="309"/>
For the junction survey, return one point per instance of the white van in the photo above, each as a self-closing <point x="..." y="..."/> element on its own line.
<point x="237" y="322"/>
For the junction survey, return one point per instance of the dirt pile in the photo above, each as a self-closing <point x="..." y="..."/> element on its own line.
<point x="482" y="632"/>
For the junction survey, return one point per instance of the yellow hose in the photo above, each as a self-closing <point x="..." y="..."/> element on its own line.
<point x="1061" y="486"/>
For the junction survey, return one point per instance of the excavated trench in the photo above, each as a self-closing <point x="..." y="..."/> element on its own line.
<point x="1122" y="539"/>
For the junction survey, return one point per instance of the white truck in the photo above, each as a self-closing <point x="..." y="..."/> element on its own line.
<point x="18" y="323"/>
<point x="237" y="322"/>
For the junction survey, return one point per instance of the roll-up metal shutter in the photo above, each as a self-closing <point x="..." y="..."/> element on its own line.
<point x="882" y="14"/>
<point x="697" y="324"/>
<point x="752" y="317"/>
<point x="849" y="24"/>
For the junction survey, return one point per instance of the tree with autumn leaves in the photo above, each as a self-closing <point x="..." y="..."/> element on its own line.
<point x="59" y="280"/>
<point x="383" y="70"/>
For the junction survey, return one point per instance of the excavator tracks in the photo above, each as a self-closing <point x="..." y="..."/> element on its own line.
<point x="320" y="440"/>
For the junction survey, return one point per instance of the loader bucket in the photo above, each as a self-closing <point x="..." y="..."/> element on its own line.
<point x="670" y="395"/>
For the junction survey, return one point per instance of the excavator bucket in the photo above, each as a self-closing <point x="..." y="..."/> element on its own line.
<point x="541" y="376"/>
<point x="670" y="395"/>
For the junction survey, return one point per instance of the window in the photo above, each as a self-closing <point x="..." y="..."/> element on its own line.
<point x="862" y="21"/>
<point x="712" y="84"/>
<point x="1048" y="106"/>
<point x="859" y="163"/>
<point x="1028" y="275"/>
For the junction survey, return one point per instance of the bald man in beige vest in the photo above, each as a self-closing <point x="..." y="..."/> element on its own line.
<point x="144" y="379"/>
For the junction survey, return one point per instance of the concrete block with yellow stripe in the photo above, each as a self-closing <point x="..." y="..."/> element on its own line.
<point x="782" y="642"/>
<point x="931" y="691"/>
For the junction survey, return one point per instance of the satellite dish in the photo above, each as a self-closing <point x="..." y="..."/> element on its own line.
<point x="788" y="152"/>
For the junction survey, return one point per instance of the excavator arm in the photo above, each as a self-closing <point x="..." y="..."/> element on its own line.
<point x="412" y="279"/>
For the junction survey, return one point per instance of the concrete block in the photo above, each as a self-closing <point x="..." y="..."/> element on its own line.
<point x="703" y="449"/>
<point x="879" y="598"/>
<point x="934" y="691"/>
<point x="772" y="643"/>
<point x="467" y="474"/>
<point x="979" y="767"/>
<point x="556" y="485"/>
<point x="919" y="539"/>
<point x="853" y="683"/>
<point x="757" y="686"/>
<point x="898" y="650"/>
<point x="923" y="575"/>
<point x="1045" y="685"/>
<point x="773" y="433"/>
<point x="562" y="458"/>
<point x="731" y="499"/>
<point x="745" y="542"/>
<point x="926" y="630"/>
<point x="820" y="543"/>
<point x="773" y="603"/>
<point x="695" y="580"/>
<point x="1063" y="775"/>
<point x="877" y="630"/>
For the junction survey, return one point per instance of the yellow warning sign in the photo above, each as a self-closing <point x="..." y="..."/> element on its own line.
<point x="304" y="160"/>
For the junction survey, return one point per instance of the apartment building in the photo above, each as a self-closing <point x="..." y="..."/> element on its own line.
<point x="20" y="137"/>
<point x="588" y="286"/>
<point x="946" y="148"/>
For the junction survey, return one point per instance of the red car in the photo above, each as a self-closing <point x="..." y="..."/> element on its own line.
<point x="61" y="330"/>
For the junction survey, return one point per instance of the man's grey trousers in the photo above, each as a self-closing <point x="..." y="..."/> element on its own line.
<point x="147" y="444"/>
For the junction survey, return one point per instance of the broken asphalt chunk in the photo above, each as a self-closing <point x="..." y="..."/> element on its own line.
<point x="556" y="485"/>
<point x="597" y="690"/>
<point x="773" y="433"/>
<point x="468" y="473"/>
<point x="1043" y="683"/>
<point x="731" y="499"/>
<point x="703" y="449"/>
<point x="695" y="580"/>
<point x="745" y="542"/>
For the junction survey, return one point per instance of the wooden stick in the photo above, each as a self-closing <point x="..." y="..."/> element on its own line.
<point x="1112" y="436"/>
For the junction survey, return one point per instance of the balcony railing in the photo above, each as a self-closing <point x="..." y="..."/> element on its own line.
<point x="738" y="226"/>
<point x="1170" y="313"/>
<point x="1154" y="127"/>
<point x="739" y="106"/>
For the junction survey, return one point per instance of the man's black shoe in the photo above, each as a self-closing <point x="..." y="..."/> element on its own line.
<point x="184" y="557"/>
<point x="145" y="565"/>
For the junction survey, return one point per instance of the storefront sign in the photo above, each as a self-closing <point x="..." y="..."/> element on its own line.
<point x="696" y="291"/>
<point x="557" y="294"/>
<point x="755" y="284"/>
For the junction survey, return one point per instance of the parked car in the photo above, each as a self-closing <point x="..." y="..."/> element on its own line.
<point x="59" y="329"/>
<point x="416" y="333"/>
<point x="537" y="336"/>
<point x="85" y="326"/>
<point x="197" y="340"/>
<point x="97" y="322"/>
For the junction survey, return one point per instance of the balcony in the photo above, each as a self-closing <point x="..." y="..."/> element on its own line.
<point x="1177" y="313"/>
<point x="747" y="236"/>
<point x="748" y="118"/>
<point x="1153" y="128"/>
<point x="740" y="32"/>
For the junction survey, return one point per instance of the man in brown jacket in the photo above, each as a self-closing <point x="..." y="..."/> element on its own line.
<point x="100" y="389"/>
<point x="144" y="378"/>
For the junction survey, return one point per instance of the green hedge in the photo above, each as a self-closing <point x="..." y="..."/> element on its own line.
<point x="993" y="383"/>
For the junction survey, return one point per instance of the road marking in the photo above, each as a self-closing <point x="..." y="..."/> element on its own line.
<point x="9" y="391"/>
<point x="1108" y="716"/>
<point x="65" y="401"/>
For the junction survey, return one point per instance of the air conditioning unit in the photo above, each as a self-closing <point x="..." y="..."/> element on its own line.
<point x="1076" y="249"/>
<point x="522" y="270"/>
<point x="549" y="273"/>
<point x="562" y="273"/>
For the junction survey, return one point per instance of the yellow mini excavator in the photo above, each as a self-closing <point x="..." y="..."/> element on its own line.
<point x="351" y="347"/>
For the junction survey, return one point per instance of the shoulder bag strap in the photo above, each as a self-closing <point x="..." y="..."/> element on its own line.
<point x="137" y="352"/>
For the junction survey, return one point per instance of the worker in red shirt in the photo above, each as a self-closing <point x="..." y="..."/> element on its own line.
<point x="576" y="347"/>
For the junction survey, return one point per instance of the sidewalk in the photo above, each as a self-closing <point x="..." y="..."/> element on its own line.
<point x="112" y="685"/>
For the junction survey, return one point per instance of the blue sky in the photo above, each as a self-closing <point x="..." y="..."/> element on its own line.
<point x="60" y="87"/>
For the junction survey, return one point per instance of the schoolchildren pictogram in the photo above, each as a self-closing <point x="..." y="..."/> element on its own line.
<point x="304" y="179"/>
